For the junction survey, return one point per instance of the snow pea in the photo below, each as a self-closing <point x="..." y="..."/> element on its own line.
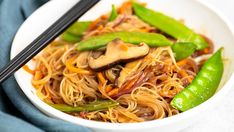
<point x="70" y="37"/>
<point x="78" y="28"/>
<point x="169" y="25"/>
<point x="151" y="39"/>
<point x="183" y="49"/>
<point x="114" y="14"/>
<point x="203" y="86"/>
<point x="97" y="105"/>
<point x="75" y="31"/>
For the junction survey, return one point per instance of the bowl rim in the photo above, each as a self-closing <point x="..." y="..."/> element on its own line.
<point x="130" y="126"/>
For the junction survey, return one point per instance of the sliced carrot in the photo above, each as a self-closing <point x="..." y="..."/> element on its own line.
<point x="27" y="69"/>
<point x="169" y="93"/>
<point x="184" y="74"/>
<point x="206" y="50"/>
<point x="101" y="78"/>
<point x="108" y="88"/>
<point x="38" y="75"/>
<point x="129" y="84"/>
<point x="179" y="64"/>
<point x="93" y="25"/>
<point x="72" y="68"/>
<point x="124" y="7"/>
<point x="113" y="92"/>
<point x="104" y="17"/>
<point x="182" y="62"/>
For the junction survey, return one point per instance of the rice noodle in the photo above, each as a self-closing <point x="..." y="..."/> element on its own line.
<point x="62" y="75"/>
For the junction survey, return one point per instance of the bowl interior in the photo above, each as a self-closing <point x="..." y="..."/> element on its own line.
<point x="197" y="16"/>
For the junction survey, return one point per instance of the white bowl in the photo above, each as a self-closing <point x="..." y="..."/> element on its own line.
<point x="196" y="14"/>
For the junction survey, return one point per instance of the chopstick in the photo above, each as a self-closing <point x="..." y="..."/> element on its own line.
<point x="46" y="37"/>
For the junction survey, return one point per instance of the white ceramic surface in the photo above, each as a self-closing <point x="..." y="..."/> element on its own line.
<point x="198" y="16"/>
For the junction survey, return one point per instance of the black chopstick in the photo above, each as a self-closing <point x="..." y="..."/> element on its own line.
<point x="46" y="37"/>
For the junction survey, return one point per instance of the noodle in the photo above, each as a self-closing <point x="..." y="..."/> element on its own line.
<point x="63" y="76"/>
<point x="76" y="88"/>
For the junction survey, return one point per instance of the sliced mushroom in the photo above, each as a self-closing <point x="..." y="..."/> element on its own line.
<point x="117" y="51"/>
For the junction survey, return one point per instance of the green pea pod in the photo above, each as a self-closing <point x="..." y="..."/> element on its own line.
<point x="78" y="28"/>
<point x="75" y="31"/>
<point x="114" y="13"/>
<point x="183" y="50"/>
<point x="169" y="26"/>
<point x="97" y="105"/>
<point x="203" y="86"/>
<point x="151" y="39"/>
<point x="66" y="36"/>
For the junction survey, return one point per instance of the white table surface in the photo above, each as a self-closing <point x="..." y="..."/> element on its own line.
<point x="220" y="119"/>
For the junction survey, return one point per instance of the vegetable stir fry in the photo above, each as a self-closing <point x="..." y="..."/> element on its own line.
<point x="133" y="64"/>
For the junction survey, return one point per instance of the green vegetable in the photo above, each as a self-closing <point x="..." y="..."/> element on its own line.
<point x="169" y="26"/>
<point x="203" y="86"/>
<point x="114" y="14"/>
<point x="97" y="105"/>
<point x="183" y="50"/>
<point x="75" y="31"/>
<point x="96" y="42"/>
<point x="78" y="28"/>
<point x="70" y="37"/>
